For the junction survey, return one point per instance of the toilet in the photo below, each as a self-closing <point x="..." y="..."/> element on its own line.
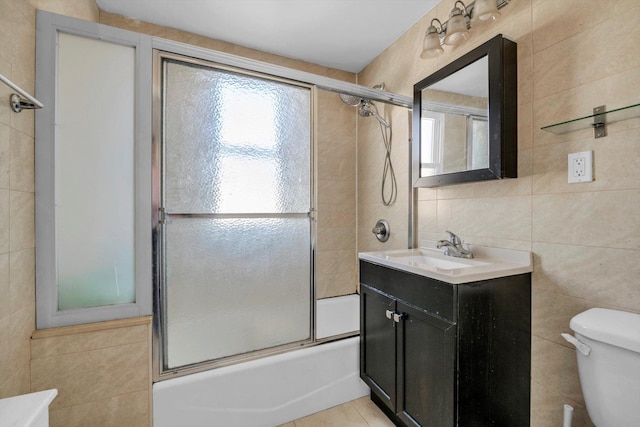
<point x="608" y="350"/>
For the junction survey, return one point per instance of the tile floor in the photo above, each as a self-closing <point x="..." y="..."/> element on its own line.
<point x="357" y="413"/>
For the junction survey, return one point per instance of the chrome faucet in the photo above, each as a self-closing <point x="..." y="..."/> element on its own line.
<point x="454" y="247"/>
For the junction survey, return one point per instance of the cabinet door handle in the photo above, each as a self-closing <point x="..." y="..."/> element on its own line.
<point x="397" y="317"/>
<point x="389" y="314"/>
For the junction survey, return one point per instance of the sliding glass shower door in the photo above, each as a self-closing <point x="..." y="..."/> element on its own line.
<point x="235" y="227"/>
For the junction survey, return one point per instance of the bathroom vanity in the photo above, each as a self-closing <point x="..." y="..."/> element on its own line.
<point x="448" y="350"/>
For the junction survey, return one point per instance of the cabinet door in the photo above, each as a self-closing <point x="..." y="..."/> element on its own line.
<point x="378" y="344"/>
<point x="426" y="369"/>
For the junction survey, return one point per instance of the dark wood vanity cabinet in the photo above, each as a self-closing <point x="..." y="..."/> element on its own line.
<point x="436" y="354"/>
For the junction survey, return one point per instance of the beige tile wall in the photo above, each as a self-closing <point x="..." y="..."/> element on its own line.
<point x="585" y="237"/>
<point x="17" y="234"/>
<point x="336" y="153"/>
<point x="102" y="372"/>
<point x="371" y="158"/>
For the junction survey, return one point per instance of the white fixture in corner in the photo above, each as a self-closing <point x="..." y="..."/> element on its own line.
<point x="568" y="414"/>
<point x="27" y="410"/>
<point x="610" y="371"/>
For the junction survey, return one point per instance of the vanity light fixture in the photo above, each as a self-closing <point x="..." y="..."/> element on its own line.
<point x="431" y="45"/>
<point x="456" y="29"/>
<point x="485" y="10"/>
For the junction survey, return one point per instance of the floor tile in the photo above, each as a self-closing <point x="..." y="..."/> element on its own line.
<point x="371" y="413"/>
<point x="357" y="413"/>
<point x="338" y="416"/>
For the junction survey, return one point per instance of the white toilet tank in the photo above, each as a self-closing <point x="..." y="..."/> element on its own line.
<point x="610" y="373"/>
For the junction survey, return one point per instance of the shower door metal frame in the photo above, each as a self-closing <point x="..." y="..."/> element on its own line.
<point x="159" y="216"/>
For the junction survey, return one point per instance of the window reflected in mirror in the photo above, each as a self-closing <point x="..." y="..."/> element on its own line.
<point x="456" y="110"/>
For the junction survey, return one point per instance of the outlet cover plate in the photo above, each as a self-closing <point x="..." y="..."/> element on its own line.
<point x="580" y="166"/>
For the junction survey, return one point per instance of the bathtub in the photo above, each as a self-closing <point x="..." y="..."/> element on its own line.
<point x="337" y="316"/>
<point x="273" y="390"/>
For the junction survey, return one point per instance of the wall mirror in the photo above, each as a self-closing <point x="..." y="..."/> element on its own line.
<point x="465" y="118"/>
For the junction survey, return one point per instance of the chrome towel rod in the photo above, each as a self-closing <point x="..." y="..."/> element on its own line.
<point x="21" y="100"/>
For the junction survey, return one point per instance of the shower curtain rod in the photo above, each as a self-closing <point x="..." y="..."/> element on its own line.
<point x="21" y="100"/>
<point x="322" y="82"/>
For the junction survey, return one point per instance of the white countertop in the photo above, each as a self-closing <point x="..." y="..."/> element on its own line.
<point x="487" y="263"/>
<point x="26" y="410"/>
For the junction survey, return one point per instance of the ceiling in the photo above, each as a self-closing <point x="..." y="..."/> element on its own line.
<point x="342" y="34"/>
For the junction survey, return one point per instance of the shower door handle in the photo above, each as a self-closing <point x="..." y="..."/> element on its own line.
<point x="389" y="314"/>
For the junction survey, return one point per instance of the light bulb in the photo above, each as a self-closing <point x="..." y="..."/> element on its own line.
<point x="431" y="44"/>
<point x="456" y="28"/>
<point x="485" y="10"/>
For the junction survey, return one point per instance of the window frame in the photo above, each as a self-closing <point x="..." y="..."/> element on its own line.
<point x="48" y="26"/>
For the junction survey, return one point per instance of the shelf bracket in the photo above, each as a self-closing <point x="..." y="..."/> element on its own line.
<point x="599" y="122"/>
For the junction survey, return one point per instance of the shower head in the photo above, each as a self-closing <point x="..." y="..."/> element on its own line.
<point x="351" y="99"/>
<point x="354" y="100"/>
<point x="367" y="109"/>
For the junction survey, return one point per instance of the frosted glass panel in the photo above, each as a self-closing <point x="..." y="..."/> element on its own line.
<point x="235" y="285"/>
<point x="94" y="181"/>
<point x="234" y="143"/>
<point x="237" y="190"/>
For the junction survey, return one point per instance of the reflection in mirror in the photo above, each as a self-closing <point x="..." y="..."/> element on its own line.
<point x="456" y="110"/>
<point x="465" y="118"/>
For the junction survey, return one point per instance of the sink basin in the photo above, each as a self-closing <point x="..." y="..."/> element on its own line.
<point x="487" y="263"/>
<point x="438" y="260"/>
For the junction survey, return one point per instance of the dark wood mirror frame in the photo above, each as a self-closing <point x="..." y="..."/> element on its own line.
<point x="503" y="117"/>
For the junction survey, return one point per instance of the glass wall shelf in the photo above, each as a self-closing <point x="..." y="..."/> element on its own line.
<point x="611" y="116"/>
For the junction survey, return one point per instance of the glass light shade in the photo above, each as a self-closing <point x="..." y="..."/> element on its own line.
<point x="431" y="44"/>
<point x="456" y="29"/>
<point x="485" y="10"/>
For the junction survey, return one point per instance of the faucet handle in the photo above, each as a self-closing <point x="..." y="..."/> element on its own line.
<point x="453" y="238"/>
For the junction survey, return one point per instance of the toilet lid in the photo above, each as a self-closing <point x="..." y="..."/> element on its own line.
<point x="614" y="327"/>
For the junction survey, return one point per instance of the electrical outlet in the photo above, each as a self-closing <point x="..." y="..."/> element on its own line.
<point x="580" y="167"/>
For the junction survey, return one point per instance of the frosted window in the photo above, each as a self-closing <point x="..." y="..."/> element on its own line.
<point x="235" y="143"/>
<point x="235" y="285"/>
<point x="94" y="173"/>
